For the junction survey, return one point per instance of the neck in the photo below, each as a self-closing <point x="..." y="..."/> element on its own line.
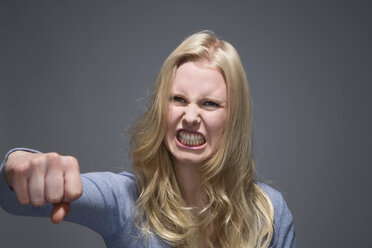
<point x="188" y="178"/>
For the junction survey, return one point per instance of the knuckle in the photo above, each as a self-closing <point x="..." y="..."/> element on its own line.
<point x="72" y="161"/>
<point x="37" y="198"/>
<point x="54" y="199"/>
<point x="75" y="194"/>
<point x="24" y="202"/>
<point x="52" y="157"/>
<point x="20" y="170"/>
<point x="37" y="162"/>
<point x="38" y="202"/>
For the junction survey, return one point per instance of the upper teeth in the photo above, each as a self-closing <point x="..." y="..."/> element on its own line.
<point x="190" y="139"/>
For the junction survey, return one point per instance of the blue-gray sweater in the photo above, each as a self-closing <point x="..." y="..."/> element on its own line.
<point x="106" y="203"/>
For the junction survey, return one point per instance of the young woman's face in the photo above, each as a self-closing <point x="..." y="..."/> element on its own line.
<point x="197" y="113"/>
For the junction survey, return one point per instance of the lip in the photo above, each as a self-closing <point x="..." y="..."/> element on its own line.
<point x="190" y="147"/>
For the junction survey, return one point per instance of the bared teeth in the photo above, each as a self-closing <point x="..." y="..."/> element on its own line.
<point x="190" y="139"/>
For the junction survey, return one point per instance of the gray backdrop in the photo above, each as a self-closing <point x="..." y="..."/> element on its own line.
<point x="75" y="74"/>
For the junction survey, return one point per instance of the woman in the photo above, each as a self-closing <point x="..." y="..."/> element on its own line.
<point x="191" y="151"/>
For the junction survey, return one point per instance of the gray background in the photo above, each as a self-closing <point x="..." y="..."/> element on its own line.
<point x="75" y="74"/>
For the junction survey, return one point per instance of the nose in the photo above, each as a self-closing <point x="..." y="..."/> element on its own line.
<point x="191" y="116"/>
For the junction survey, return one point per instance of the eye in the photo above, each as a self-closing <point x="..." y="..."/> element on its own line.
<point x="178" y="99"/>
<point x="211" y="104"/>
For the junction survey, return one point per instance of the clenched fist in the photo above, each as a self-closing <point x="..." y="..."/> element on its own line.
<point x="44" y="178"/>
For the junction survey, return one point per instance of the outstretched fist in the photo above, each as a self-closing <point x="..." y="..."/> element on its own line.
<point x="43" y="178"/>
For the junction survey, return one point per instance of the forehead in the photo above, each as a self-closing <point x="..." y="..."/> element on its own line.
<point x="197" y="78"/>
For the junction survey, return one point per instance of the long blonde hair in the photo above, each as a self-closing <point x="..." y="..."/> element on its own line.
<point x="241" y="211"/>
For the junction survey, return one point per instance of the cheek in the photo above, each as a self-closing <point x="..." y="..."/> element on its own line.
<point x="172" y="120"/>
<point x="171" y="117"/>
<point x="168" y="130"/>
<point x="218" y="124"/>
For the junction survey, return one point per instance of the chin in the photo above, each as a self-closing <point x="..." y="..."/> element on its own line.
<point x="189" y="159"/>
<point x="187" y="155"/>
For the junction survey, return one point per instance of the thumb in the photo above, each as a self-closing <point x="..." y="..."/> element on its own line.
<point x="59" y="212"/>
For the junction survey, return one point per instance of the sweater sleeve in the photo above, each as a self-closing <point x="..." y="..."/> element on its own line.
<point x="104" y="206"/>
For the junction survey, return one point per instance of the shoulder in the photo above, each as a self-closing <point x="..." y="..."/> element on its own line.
<point x="276" y="199"/>
<point x="284" y="234"/>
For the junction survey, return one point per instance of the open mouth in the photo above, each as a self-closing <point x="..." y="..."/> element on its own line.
<point x="191" y="139"/>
